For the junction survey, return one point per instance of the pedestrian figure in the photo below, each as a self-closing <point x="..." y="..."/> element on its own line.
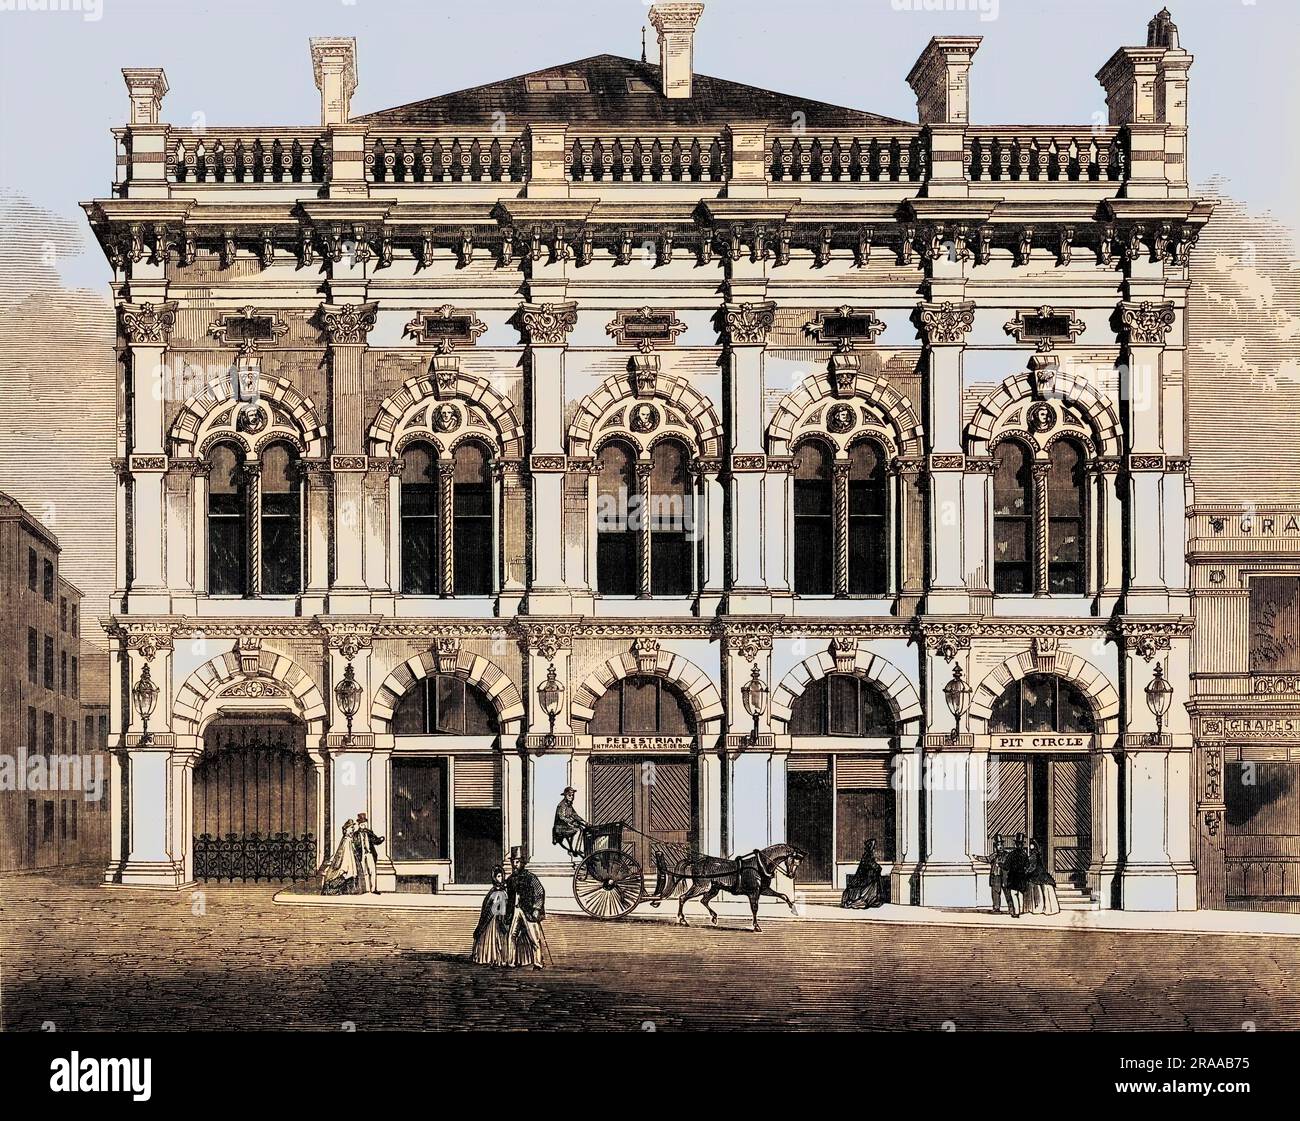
<point x="1015" y="877"/>
<point x="491" y="936"/>
<point x="338" y="875"/>
<point x="1042" y="885"/>
<point x="863" y="888"/>
<point x="366" y="845"/>
<point x="996" y="861"/>
<point x="527" y="903"/>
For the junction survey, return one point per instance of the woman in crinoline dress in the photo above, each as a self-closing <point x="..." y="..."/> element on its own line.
<point x="338" y="875"/>
<point x="491" y="935"/>
<point x="1040" y="895"/>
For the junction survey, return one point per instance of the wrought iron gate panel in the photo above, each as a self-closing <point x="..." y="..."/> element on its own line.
<point x="254" y="804"/>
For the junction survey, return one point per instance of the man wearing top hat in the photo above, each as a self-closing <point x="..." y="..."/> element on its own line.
<point x="569" y="829"/>
<point x="526" y="903"/>
<point x="366" y="843"/>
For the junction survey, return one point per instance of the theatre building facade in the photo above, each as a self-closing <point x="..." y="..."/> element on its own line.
<point x="765" y="470"/>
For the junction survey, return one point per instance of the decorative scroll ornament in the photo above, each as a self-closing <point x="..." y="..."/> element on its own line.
<point x="845" y="651"/>
<point x="1045" y="322"/>
<point x="548" y="639"/>
<point x="548" y="324"/>
<point x="149" y="644"/>
<point x="1147" y="323"/>
<point x="946" y="324"/>
<point x="348" y="323"/>
<point x="347" y="639"/>
<point x="748" y="324"/>
<point x="445" y="327"/>
<point x="749" y="641"/>
<point x="644" y="328"/>
<point x="248" y="325"/>
<point x="844" y="326"/>
<point x="148" y="323"/>
<point x="254" y="688"/>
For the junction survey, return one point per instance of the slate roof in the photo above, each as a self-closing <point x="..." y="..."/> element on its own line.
<point x="608" y="91"/>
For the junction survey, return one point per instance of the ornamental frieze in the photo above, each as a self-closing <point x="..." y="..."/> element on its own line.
<point x="547" y="463"/>
<point x="147" y="323"/>
<point x="747" y="639"/>
<point x="255" y="688"/>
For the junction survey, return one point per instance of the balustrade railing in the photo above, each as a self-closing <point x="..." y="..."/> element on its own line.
<point x="1044" y="155"/>
<point x="647" y="159"/>
<point x="446" y="158"/>
<point x="885" y="157"/>
<point x="245" y="156"/>
<point x="280" y="856"/>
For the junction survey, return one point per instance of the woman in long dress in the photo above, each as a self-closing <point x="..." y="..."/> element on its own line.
<point x="863" y="889"/>
<point x="1041" y="897"/>
<point x="339" y="873"/>
<point x="491" y="934"/>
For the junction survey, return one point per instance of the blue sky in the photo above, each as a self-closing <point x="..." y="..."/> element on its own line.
<point x="245" y="62"/>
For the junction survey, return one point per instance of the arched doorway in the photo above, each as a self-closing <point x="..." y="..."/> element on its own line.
<point x="1041" y="771"/>
<point x="838" y="789"/>
<point x="642" y="765"/>
<point x="255" y="801"/>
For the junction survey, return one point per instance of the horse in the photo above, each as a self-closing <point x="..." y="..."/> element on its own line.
<point x="749" y="875"/>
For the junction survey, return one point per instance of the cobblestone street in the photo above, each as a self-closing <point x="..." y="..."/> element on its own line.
<point x="80" y="956"/>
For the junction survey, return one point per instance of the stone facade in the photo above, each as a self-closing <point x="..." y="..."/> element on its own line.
<point x="543" y="288"/>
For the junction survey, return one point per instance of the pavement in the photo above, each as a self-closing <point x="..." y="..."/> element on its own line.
<point x="560" y="901"/>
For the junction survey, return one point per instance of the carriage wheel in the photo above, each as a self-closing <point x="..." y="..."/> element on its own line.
<point x="607" y="884"/>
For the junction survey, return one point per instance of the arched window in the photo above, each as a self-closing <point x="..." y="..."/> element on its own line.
<point x="281" y="543"/>
<point x="1066" y="528"/>
<point x="841" y="704"/>
<point x="227" y="523"/>
<point x="642" y="705"/>
<point x="1013" y="518"/>
<point x="868" y="520"/>
<point x="671" y="520"/>
<point x="617" y="567"/>
<point x="443" y="705"/>
<point x="814" y="520"/>
<point x="419" y="518"/>
<point x="1041" y="702"/>
<point x="473" y="561"/>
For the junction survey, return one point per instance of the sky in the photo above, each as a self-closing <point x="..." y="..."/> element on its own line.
<point x="242" y="62"/>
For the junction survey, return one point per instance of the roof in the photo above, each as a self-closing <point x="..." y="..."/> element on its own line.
<point x="614" y="92"/>
<point x="12" y="509"/>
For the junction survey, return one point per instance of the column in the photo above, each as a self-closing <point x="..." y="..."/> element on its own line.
<point x="147" y="327"/>
<point x="746" y="329"/>
<point x="318" y="483"/>
<point x="546" y="328"/>
<point x="550" y="769"/>
<point x="944" y="326"/>
<point x="252" y="475"/>
<point x="352" y="777"/>
<point x="346" y="327"/>
<point x="906" y="779"/>
<point x="447" y="526"/>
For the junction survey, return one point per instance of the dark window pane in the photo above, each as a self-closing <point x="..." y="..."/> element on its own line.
<point x="480" y="716"/>
<point x="877" y="717"/>
<point x="808" y="713"/>
<point x="1038" y="703"/>
<point x="814" y="525"/>
<point x="868" y="522"/>
<point x="419" y="830"/>
<point x="419" y="517"/>
<point x="227" y="554"/>
<point x="617" y="564"/>
<point x="1066" y="530"/>
<point x="1005" y="715"/>
<point x="640" y="705"/>
<point x="843" y="693"/>
<point x="281" y="540"/>
<point x="675" y="715"/>
<point x="1074" y="713"/>
<point x="862" y="815"/>
<point x="617" y="557"/>
<point x="607" y="714"/>
<point x="449" y="708"/>
<point x="1274" y="624"/>
<point x="472" y="534"/>
<point x="1013" y="532"/>
<point x="670" y="564"/>
<point x="670" y="517"/>
<point x="410" y="717"/>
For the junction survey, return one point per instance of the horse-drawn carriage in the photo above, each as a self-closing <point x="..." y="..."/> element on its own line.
<point x="609" y="882"/>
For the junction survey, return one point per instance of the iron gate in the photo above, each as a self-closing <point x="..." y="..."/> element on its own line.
<point x="254" y="804"/>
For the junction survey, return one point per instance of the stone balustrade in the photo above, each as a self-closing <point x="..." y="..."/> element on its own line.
<point x="1039" y="154"/>
<point x="446" y="158"/>
<point x="247" y="156"/>
<point x="889" y="156"/>
<point x="648" y="158"/>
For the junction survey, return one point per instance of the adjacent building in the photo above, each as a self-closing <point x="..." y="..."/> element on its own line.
<point x="53" y="773"/>
<point x="766" y="470"/>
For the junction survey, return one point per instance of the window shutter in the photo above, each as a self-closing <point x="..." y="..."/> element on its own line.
<point x="477" y="782"/>
<point x="862" y="772"/>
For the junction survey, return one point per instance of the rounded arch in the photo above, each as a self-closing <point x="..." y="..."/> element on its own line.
<point x="806" y="410"/>
<point x="411" y="410"/>
<point x="222" y="682"/>
<point x="1082" y="674"/>
<point x="693" y="682"/>
<point x="682" y="410"/>
<point x="997" y="415"/>
<point x="287" y="415"/>
<point x="485" y="675"/>
<point x="893" y="684"/>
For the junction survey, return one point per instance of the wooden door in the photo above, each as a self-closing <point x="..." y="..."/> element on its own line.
<point x="652" y="795"/>
<point x="1069" y="838"/>
<point x="808" y="815"/>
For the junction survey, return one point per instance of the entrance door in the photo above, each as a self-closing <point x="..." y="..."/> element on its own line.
<point x="1048" y="798"/>
<point x="653" y="795"/>
<point x="808" y="819"/>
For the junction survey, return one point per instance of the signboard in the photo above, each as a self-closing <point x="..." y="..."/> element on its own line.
<point x="1042" y="741"/>
<point x="1253" y="727"/>
<point x="649" y="744"/>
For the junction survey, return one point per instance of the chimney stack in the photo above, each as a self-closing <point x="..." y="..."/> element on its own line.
<point x="675" y="24"/>
<point x="940" y="79"/>
<point x="334" y="65"/>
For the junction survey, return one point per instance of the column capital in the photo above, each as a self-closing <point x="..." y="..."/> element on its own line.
<point x="748" y="324"/>
<point x="945" y="323"/>
<point x="347" y="324"/>
<point x="148" y="324"/>
<point x="547" y="324"/>
<point x="1145" y="322"/>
